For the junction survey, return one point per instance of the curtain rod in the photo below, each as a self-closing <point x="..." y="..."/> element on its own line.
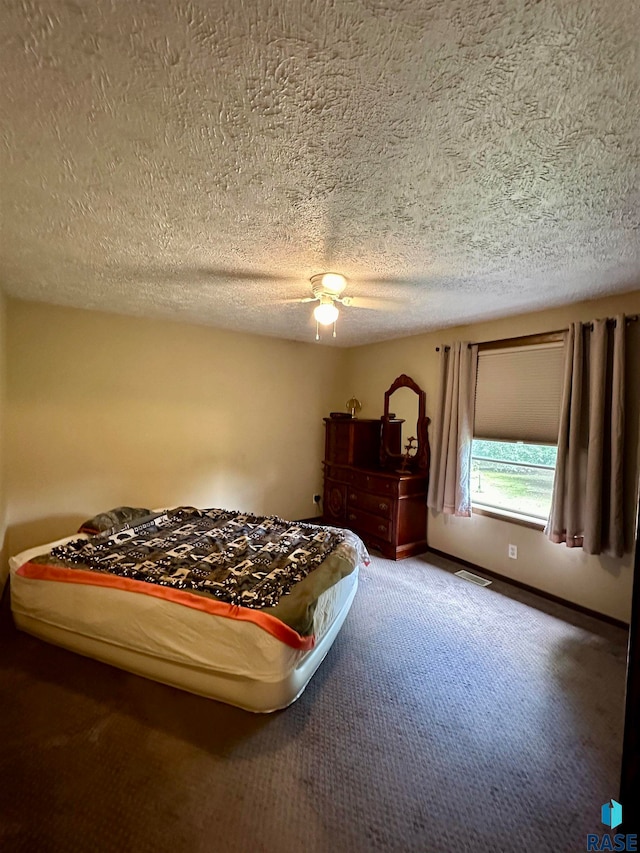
<point x="632" y="318"/>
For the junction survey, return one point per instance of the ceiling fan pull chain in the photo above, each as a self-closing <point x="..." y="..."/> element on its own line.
<point x="318" y="331"/>
<point x="334" y="328"/>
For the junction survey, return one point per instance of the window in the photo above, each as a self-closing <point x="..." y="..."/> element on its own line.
<point x="510" y="477"/>
<point x="518" y="394"/>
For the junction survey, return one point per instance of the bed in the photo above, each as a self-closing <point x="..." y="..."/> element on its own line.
<point x="228" y="605"/>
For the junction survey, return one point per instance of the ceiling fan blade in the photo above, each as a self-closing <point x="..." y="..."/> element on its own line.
<point x="172" y="271"/>
<point x="296" y="301"/>
<point x="373" y="303"/>
<point x="387" y="282"/>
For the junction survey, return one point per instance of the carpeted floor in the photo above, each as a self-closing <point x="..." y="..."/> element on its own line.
<point x="446" y="717"/>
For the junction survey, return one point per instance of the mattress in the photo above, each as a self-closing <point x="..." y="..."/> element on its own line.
<point x="221" y="658"/>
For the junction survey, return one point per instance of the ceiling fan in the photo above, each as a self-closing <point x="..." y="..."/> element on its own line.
<point x="327" y="289"/>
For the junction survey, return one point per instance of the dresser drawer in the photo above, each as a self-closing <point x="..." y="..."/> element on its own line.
<point x="363" y="522"/>
<point x="376" y="504"/>
<point x="374" y="483"/>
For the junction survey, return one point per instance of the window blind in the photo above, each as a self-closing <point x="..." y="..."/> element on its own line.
<point x="518" y="393"/>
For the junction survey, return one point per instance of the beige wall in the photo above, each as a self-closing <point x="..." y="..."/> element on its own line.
<point x="600" y="583"/>
<point x="3" y="550"/>
<point x="107" y="410"/>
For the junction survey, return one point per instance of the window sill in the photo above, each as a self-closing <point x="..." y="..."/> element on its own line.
<point x="506" y="515"/>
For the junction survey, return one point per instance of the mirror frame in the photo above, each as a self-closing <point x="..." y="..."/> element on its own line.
<point x="420" y="461"/>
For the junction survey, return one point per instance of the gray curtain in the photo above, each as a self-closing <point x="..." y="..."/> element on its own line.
<point x="587" y="503"/>
<point x="450" y="476"/>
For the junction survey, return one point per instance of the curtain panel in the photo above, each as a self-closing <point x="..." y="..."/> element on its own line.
<point x="587" y="502"/>
<point x="450" y="477"/>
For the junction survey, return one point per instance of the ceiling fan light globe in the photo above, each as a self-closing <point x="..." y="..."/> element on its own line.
<point x="326" y="314"/>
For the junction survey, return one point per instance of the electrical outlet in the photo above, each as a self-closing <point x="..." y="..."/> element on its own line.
<point x="513" y="552"/>
<point x="316" y="500"/>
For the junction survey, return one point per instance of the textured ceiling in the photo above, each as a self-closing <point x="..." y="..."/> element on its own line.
<point x="465" y="159"/>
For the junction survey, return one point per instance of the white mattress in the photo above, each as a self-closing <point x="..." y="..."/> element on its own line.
<point x="227" y="659"/>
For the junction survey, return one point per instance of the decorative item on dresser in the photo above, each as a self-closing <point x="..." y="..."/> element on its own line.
<point x="370" y="486"/>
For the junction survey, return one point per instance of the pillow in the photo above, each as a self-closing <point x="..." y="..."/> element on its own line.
<point x="112" y="518"/>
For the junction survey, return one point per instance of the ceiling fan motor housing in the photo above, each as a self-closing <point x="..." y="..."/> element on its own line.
<point x="323" y="297"/>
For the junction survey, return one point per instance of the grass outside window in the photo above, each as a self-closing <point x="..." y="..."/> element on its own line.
<point x="513" y="477"/>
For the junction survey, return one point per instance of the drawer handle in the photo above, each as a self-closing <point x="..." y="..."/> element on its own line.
<point x="353" y="497"/>
<point x="383" y="507"/>
<point x="382" y="528"/>
<point x="352" y="517"/>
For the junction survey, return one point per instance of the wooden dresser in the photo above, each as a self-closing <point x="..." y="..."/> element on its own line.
<point x="388" y="510"/>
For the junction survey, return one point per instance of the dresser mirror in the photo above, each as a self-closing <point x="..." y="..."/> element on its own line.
<point x="404" y="400"/>
<point x="404" y="405"/>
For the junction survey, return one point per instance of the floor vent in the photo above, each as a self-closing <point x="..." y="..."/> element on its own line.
<point x="473" y="578"/>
